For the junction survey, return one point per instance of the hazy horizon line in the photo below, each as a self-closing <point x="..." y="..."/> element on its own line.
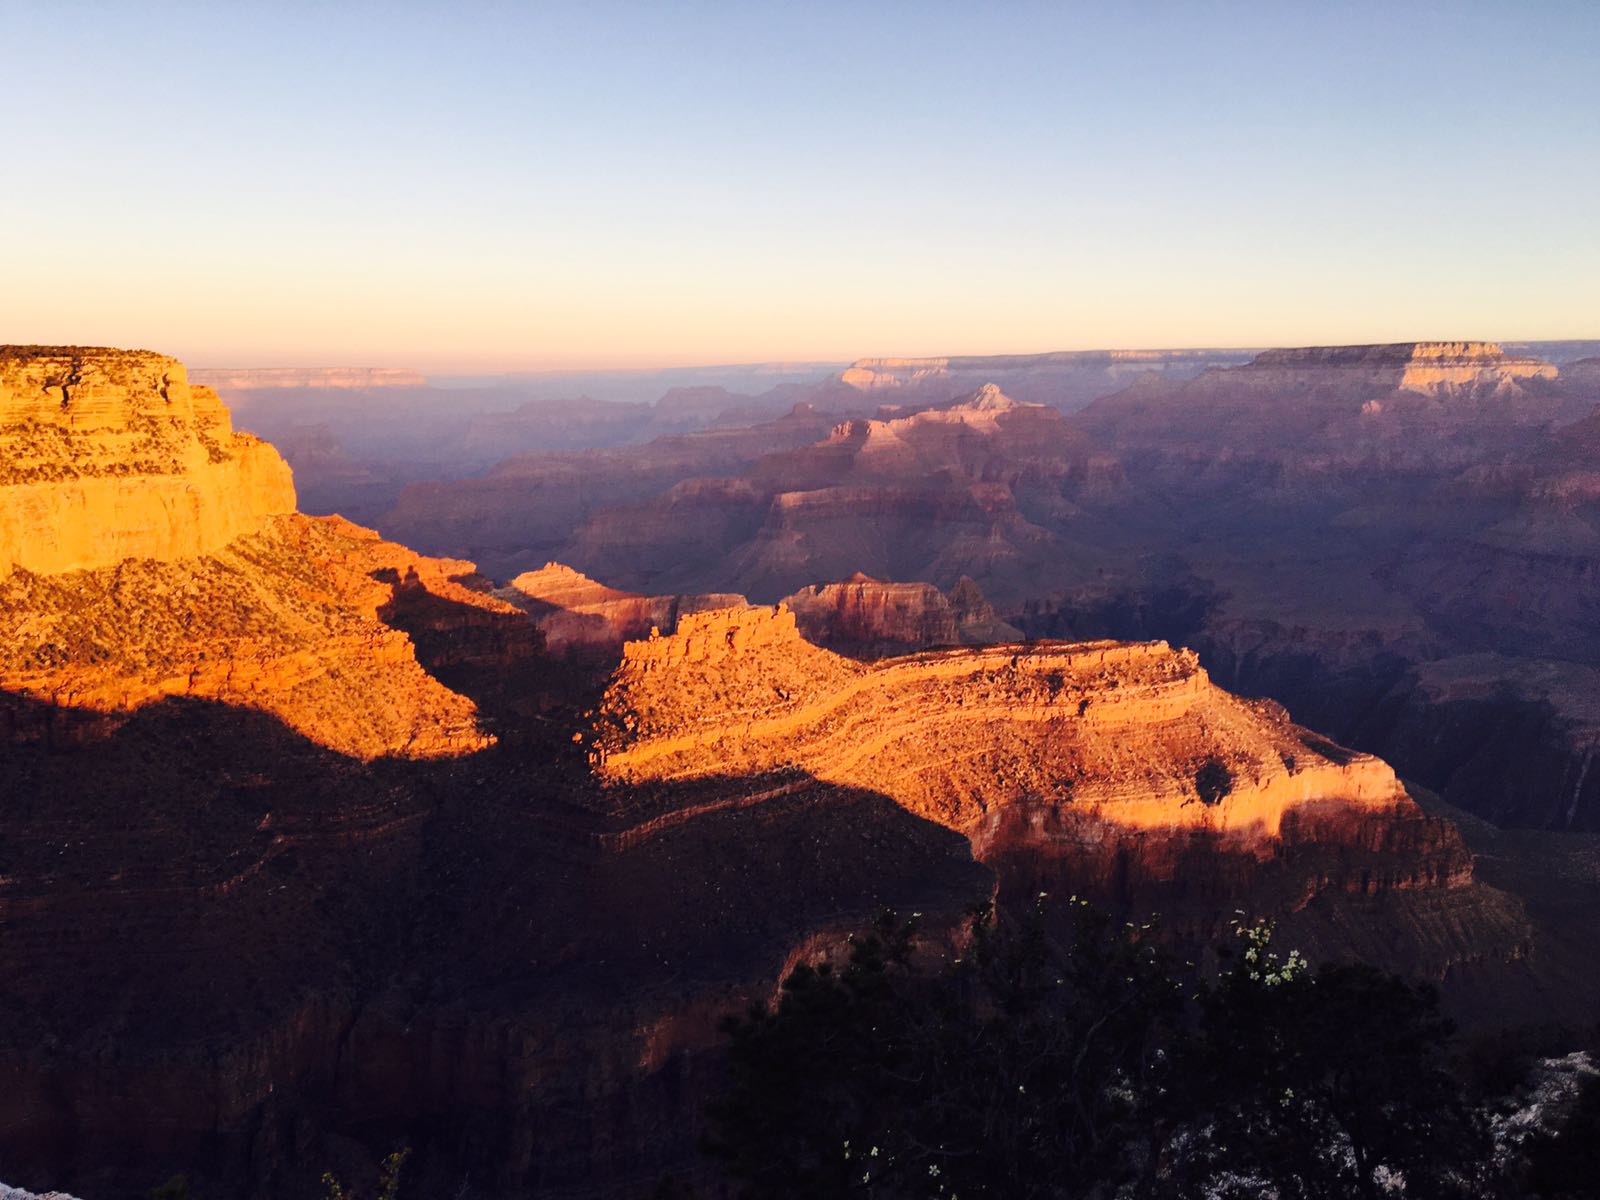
<point x="657" y="366"/>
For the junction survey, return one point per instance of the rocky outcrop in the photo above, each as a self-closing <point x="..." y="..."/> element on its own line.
<point x="577" y="614"/>
<point x="284" y="621"/>
<point x="109" y="454"/>
<point x="151" y="553"/>
<point x="11" y="1193"/>
<point x="1036" y="749"/>
<point x="869" y="618"/>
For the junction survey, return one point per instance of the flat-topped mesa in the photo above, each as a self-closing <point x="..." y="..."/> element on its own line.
<point x="1014" y="745"/>
<point x="1067" y="380"/>
<point x="112" y="454"/>
<point x="343" y="378"/>
<point x="1412" y="366"/>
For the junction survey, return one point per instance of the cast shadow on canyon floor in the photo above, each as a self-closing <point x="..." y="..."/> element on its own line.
<point x="231" y="951"/>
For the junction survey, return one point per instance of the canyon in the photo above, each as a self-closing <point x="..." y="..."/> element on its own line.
<point x="313" y="844"/>
<point x="1320" y="524"/>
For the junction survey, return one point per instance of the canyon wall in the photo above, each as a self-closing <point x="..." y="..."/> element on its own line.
<point x="148" y="552"/>
<point x="577" y="614"/>
<point x="110" y="454"/>
<point x="1065" y="379"/>
<point x="869" y="617"/>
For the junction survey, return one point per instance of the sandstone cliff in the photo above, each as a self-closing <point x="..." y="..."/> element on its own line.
<point x="150" y="552"/>
<point x="110" y="454"/>
<point x="868" y="617"/>
<point x="1048" y="748"/>
<point x="576" y="613"/>
<point x="284" y="621"/>
<point x="1412" y="366"/>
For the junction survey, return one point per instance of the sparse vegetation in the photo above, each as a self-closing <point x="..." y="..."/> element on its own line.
<point x="388" y="1179"/>
<point x="1213" y="781"/>
<point x="1088" y="1063"/>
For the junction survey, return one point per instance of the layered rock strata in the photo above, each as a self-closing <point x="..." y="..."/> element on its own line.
<point x="1101" y="743"/>
<point x="1412" y="366"/>
<point x="575" y="613"/>
<point x="148" y="552"/>
<point x="869" y="617"/>
<point x="111" y="454"/>
<point x="289" y="620"/>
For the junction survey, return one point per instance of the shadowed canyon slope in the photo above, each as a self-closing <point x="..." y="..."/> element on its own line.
<point x="312" y="844"/>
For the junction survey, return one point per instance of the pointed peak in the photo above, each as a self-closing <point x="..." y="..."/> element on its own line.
<point x="989" y="398"/>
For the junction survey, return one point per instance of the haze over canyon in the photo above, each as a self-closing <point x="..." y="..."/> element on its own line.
<point x="466" y="829"/>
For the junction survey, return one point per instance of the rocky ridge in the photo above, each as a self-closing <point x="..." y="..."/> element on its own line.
<point x="1038" y="746"/>
<point x="289" y="620"/>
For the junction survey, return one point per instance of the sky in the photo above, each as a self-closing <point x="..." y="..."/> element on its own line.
<point x="484" y="187"/>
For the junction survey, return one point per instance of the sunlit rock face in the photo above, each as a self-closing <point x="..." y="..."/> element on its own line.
<point x="1413" y="366"/>
<point x="1090" y="751"/>
<point x="149" y="552"/>
<point x="576" y="613"/>
<point x="285" y="620"/>
<point x="111" y="454"/>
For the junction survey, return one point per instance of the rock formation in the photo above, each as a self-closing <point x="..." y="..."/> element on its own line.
<point x="151" y="552"/>
<point x="575" y="613"/>
<point x="286" y="872"/>
<point x="1409" y="366"/>
<point x="109" y="454"/>
<point x="284" y="621"/>
<point x="1109" y="769"/>
<point x="868" y="618"/>
<point x="932" y="495"/>
<point x="1105" y="734"/>
<point x="1066" y="379"/>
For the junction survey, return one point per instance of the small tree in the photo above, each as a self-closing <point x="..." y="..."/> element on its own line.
<point x="388" y="1179"/>
<point x="1324" y="1083"/>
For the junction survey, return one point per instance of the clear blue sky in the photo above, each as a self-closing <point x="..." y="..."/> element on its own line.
<point x="485" y="186"/>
